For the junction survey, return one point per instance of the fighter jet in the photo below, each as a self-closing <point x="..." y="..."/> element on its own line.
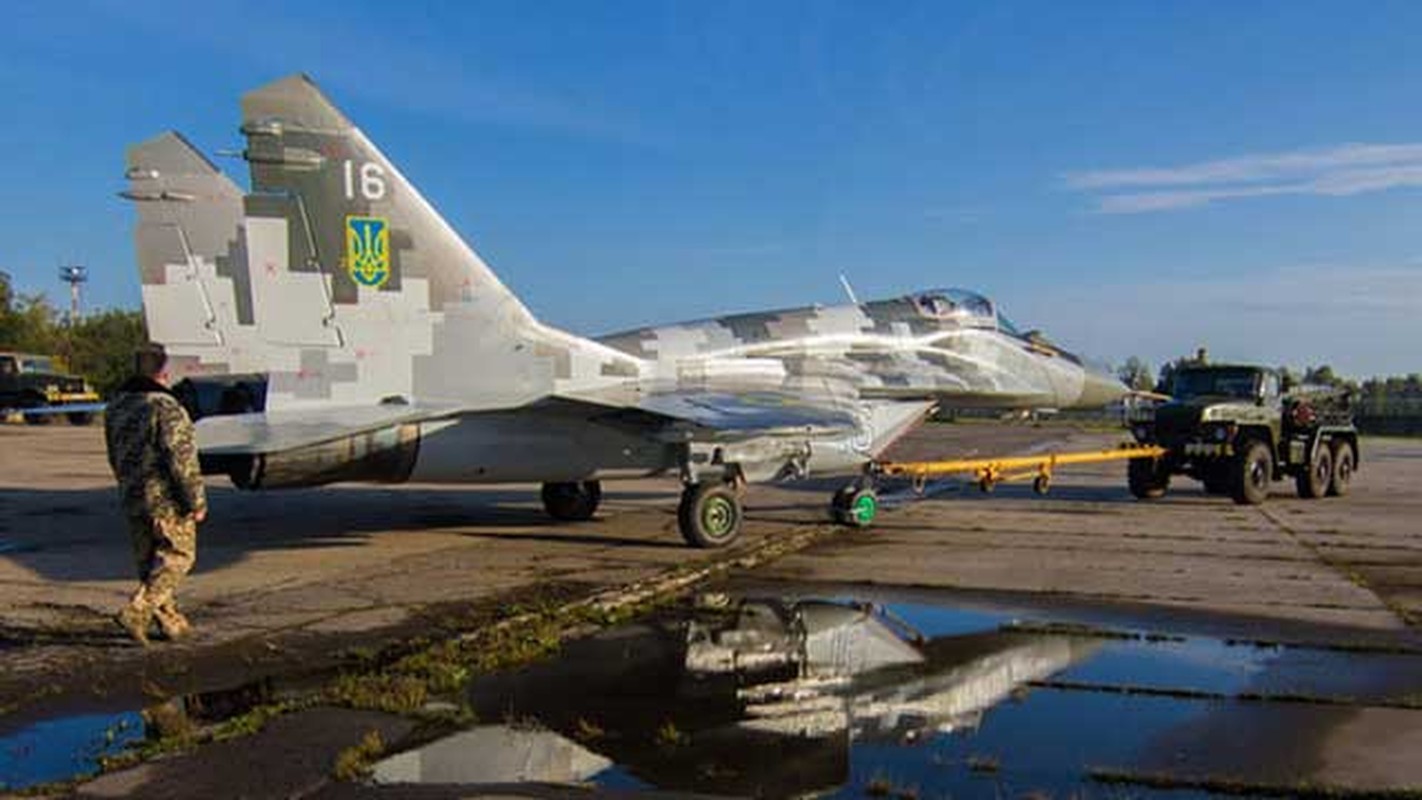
<point x="329" y="325"/>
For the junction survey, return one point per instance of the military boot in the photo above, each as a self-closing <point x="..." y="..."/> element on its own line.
<point x="135" y="623"/>
<point x="172" y="623"/>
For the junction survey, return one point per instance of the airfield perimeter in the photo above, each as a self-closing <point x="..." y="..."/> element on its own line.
<point x="290" y="581"/>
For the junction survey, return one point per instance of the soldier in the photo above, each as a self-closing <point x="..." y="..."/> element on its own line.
<point x="152" y="450"/>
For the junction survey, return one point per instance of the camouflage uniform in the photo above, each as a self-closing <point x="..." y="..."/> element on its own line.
<point x="152" y="449"/>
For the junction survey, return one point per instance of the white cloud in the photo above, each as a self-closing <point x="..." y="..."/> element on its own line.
<point x="1347" y="169"/>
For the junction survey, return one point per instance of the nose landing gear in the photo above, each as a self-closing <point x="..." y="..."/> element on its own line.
<point x="855" y="505"/>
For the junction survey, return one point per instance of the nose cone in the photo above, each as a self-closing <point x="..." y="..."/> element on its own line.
<point x="1099" y="389"/>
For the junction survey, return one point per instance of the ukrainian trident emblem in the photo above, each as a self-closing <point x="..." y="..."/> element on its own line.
<point x="368" y="250"/>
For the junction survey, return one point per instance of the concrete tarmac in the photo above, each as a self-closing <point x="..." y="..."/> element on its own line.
<point x="295" y="579"/>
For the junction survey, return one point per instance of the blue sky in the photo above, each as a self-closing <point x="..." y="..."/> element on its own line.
<point x="1133" y="178"/>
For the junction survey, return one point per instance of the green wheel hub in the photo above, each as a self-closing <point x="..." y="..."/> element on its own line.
<point x="718" y="516"/>
<point x="864" y="509"/>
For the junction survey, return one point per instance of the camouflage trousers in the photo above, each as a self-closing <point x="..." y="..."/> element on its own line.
<point x="164" y="549"/>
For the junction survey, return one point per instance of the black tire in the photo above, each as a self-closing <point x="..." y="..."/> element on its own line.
<point x="1345" y="463"/>
<point x="29" y="401"/>
<point x="80" y="417"/>
<point x="710" y="515"/>
<point x="1251" y="473"/>
<point x="572" y="501"/>
<point x="1148" y="478"/>
<point x="1313" y="481"/>
<point x="855" y="506"/>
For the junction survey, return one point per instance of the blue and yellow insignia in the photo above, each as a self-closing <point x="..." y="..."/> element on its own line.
<point x="368" y="250"/>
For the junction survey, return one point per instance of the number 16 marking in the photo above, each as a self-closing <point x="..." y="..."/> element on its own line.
<point x="372" y="180"/>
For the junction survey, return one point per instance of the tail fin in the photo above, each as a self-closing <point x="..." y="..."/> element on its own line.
<point x="357" y="290"/>
<point x="189" y="241"/>
<point x="363" y="222"/>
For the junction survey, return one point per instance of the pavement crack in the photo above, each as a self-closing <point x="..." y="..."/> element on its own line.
<point x="1343" y="568"/>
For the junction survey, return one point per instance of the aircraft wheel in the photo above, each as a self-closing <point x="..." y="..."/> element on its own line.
<point x="855" y="506"/>
<point x="1041" y="484"/>
<point x="572" y="501"/>
<point x="710" y="515"/>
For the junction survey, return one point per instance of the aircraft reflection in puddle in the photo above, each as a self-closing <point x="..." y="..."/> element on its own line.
<point x="758" y="696"/>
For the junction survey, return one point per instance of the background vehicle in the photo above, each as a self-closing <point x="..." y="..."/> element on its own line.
<point x="1233" y="428"/>
<point x="33" y="385"/>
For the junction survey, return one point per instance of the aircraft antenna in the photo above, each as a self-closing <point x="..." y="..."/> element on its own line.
<point x="849" y="290"/>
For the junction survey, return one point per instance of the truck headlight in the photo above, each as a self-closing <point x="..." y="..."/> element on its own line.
<point x="1221" y="433"/>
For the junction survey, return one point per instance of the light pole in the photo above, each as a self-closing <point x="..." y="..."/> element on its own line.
<point x="76" y="276"/>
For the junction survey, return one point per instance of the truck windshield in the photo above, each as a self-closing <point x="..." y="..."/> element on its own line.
<point x="1239" y="383"/>
<point x="36" y="364"/>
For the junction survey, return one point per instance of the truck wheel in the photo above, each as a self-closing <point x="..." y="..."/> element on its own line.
<point x="1147" y="478"/>
<point x="31" y="400"/>
<point x="1252" y="470"/>
<point x="1313" y="481"/>
<point x="1344" y="462"/>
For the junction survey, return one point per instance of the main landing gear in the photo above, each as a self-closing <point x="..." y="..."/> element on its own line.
<point x="710" y="514"/>
<point x="572" y="501"/>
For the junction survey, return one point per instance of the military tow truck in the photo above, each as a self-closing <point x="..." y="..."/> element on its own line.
<point x="33" y="386"/>
<point x="1236" y="429"/>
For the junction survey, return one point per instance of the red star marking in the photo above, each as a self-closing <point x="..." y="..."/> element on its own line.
<point x="270" y="268"/>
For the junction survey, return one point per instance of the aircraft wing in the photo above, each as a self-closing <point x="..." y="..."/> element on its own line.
<point x="729" y="414"/>
<point x="277" y="431"/>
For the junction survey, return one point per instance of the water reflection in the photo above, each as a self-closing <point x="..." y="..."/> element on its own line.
<point x="494" y="754"/>
<point x="758" y="696"/>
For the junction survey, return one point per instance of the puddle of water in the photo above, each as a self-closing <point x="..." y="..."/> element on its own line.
<point x="764" y="696"/>
<point x="56" y="750"/>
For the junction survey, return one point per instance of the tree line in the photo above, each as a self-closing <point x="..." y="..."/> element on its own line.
<point x="1377" y="396"/>
<point x="98" y="346"/>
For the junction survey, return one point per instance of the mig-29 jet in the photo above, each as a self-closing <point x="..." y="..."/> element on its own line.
<point x="329" y="325"/>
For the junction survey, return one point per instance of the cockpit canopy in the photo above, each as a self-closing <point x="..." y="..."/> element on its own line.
<point x="968" y="308"/>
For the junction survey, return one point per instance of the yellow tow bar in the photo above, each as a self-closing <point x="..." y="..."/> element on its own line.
<point x="988" y="472"/>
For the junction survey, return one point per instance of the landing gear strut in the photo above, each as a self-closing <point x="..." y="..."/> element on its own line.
<point x="572" y="501"/>
<point x="710" y="514"/>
